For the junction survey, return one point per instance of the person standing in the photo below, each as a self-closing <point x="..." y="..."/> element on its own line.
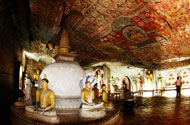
<point x="178" y="86"/>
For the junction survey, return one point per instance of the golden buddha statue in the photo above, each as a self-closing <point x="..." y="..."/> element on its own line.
<point x="149" y="76"/>
<point x="36" y="76"/>
<point x="45" y="101"/>
<point x="107" y="104"/>
<point x="89" y="109"/>
<point x="87" y="95"/>
<point x="45" y="97"/>
<point x="96" y="91"/>
<point x="149" y="84"/>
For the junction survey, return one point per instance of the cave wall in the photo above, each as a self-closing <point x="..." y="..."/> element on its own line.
<point x="10" y="52"/>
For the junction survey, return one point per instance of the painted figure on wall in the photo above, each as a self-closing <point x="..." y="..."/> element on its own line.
<point x="134" y="33"/>
<point x="185" y="76"/>
<point x="171" y="80"/>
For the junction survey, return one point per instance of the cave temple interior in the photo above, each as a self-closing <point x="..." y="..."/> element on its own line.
<point x="99" y="34"/>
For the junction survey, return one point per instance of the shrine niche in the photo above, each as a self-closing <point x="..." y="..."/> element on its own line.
<point x="149" y="83"/>
<point x="126" y="83"/>
<point x="185" y="75"/>
<point x="170" y="79"/>
<point x="159" y="84"/>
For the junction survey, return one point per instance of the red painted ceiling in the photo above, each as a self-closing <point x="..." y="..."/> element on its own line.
<point x="148" y="33"/>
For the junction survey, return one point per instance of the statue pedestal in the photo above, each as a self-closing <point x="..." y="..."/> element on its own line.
<point x="68" y="116"/>
<point x="94" y="111"/>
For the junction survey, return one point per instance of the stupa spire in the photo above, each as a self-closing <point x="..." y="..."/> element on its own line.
<point x="64" y="45"/>
<point x="64" y="53"/>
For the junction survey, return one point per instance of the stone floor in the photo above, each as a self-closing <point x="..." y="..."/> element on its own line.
<point x="157" y="110"/>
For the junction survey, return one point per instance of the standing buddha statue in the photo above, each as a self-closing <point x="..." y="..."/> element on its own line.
<point x="149" y="77"/>
<point x="159" y="82"/>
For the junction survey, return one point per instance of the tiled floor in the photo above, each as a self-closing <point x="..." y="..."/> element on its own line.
<point x="158" y="110"/>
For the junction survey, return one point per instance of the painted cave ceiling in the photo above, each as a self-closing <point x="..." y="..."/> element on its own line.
<point x="146" y="33"/>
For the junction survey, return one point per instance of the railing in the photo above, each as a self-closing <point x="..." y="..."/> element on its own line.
<point x="117" y="95"/>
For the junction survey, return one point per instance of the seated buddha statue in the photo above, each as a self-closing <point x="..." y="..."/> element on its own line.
<point x="90" y="109"/>
<point x="107" y="104"/>
<point x="185" y="78"/>
<point x="171" y="80"/>
<point x="45" y="101"/>
<point x="96" y="92"/>
<point x="27" y="100"/>
<point x="87" y="94"/>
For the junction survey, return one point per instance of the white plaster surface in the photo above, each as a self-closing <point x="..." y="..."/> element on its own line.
<point x="64" y="78"/>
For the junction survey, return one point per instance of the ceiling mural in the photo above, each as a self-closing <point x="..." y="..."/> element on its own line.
<point x="45" y="19"/>
<point x="147" y="33"/>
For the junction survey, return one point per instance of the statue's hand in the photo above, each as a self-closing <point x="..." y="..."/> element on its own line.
<point x="37" y="105"/>
<point x="47" y="108"/>
<point x="85" y="102"/>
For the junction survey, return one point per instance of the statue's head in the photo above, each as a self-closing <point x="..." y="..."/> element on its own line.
<point x="26" y="75"/>
<point x="87" y="85"/>
<point x="37" y="71"/>
<point x="139" y="74"/>
<point x="103" y="86"/>
<point x="45" y="83"/>
<point x="96" y="85"/>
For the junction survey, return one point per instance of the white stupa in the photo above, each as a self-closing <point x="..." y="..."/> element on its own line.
<point x="64" y="77"/>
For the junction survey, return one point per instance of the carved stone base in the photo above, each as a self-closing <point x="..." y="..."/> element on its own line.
<point x="23" y="102"/>
<point x="47" y="119"/>
<point x="46" y="116"/>
<point x="67" y="103"/>
<point x="108" y="105"/>
<point x="94" y="111"/>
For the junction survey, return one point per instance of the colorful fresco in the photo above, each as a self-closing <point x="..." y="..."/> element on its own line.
<point x="185" y="75"/>
<point x="171" y="79"/>
<point x="137" y="32"/>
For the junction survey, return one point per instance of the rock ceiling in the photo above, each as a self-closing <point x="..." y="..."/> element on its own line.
<point x="147" y="33"/>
